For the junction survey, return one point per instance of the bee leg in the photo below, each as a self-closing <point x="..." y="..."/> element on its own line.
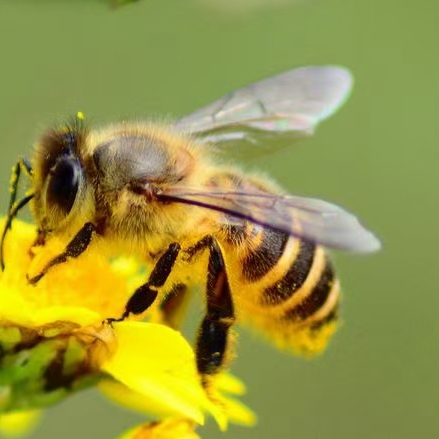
<point x="212" y="341"/>
<point x="146" y="294"/>
<point x="22" y="165"/>
<point x="173" y="306"/>
<point x="75" y="248"/>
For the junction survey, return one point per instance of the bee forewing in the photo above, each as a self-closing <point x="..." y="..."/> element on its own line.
<point x="307" y="218"/>
<point x="292" y="103"/>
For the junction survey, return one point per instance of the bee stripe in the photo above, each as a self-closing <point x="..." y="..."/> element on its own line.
<point x="330" y="304"/>
<point x="261" y="260"/>
<point x="330" y="317"/>
<point x="317" y="297"/>
<point x="294" y="278"/>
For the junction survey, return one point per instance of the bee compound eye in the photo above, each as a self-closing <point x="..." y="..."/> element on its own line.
<point x="64" y="184"/>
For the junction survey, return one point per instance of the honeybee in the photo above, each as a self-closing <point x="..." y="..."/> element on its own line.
<point x="162" y="192"/>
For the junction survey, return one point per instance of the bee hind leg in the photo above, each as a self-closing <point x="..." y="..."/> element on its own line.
<point x="213" y="337"/>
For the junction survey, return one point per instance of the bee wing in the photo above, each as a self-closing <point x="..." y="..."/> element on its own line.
<point x="307" y="218"/>
<point x="283" y="107"/>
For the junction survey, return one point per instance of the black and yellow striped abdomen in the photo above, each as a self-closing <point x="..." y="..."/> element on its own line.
<point x="285" y="286"/>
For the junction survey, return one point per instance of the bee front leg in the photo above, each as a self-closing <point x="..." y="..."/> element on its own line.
<point x="146" y="294"/>
<point x="212" y="342"/>
<point x="75" y="248"/>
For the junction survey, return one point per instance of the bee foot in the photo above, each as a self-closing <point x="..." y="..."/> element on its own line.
<point x="112" y="320"/>
<point x="34" y="280"/>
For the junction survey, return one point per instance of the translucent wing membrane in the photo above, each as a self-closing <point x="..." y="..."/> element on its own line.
<point x="311" y="219"/>
<point x="268" y="115"/>
<point x="281" y="108"/>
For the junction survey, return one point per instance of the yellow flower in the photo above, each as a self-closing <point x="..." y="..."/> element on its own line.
<point x="54" y="341"/>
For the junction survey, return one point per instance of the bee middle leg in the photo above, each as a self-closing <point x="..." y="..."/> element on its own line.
<point x="146" y="294"/>
<point x="213" y="337"/>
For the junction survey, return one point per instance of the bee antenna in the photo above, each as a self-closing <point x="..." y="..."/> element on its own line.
<point x="14" y="208"/>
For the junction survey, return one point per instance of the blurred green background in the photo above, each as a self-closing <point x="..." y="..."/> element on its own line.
<point x="378" y="156"/>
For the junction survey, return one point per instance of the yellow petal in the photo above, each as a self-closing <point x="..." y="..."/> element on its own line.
<point x="226" y="409"/>
<point x="238" y="413"/>
<point x="169" y="429"/>
<point x="225" y="382"/>
<point x="18" y="424"/>
<point x="136" y="401"/>
<point x="157" y="362"/>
